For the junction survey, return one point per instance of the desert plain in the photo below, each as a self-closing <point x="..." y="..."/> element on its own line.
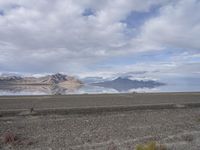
<point x="100" y="121"/>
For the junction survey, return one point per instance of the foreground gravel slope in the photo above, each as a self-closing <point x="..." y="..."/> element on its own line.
<point x="178" y="129"/>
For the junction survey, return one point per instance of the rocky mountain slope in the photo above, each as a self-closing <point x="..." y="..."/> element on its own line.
<point x="55" y="79"/>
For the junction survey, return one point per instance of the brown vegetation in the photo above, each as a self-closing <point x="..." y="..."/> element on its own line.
<point x="151" y="146"/>
<point x="9" y="138"/>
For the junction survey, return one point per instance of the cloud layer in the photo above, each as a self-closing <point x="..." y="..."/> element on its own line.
<point x="69" y="35"/>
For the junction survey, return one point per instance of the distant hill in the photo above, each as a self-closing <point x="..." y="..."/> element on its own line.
<point x="55" y="79"/>
<point x="124" y="84"/>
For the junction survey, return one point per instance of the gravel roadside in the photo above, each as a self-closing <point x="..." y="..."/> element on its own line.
<point x="177" y="129"/>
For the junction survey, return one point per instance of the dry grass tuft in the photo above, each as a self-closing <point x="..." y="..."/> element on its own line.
<point x="151" y="146"/>
<point x="9" y="138"/>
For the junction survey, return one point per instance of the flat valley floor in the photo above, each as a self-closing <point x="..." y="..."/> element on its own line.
<point x="176" y="126"/>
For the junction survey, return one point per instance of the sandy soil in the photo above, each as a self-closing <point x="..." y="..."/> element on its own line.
<point x="96" y="100"/>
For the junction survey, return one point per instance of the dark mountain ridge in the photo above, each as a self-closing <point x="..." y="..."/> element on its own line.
<point x="124" y="84"/>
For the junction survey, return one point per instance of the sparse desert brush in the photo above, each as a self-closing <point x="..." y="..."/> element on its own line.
<point x="151" y="146"/>
<point x="198" y="120"/>
<point x="9" y="138"/>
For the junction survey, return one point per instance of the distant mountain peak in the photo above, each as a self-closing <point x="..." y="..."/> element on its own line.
<point x="9" y="78"/>
<point x="124" y="84"/>
<point x="121" y="79"/>
<point x="58" y="77"/>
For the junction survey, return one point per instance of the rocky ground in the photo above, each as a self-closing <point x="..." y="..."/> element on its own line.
<point x="177" y="129"/>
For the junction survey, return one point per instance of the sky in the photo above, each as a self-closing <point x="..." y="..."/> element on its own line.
<point x="100" y="38"/>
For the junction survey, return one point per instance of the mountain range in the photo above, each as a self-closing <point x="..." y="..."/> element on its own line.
<point x="125" y="84"/>
<point x="55" y="79"/>
<point x="70" y="83"/>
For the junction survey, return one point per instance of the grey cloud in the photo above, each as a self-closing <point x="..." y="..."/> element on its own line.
<point x="178" y="26"/>
<point x="54" y="35"/>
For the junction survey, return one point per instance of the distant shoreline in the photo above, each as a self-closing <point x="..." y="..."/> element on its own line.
<point x="83" y="94"/>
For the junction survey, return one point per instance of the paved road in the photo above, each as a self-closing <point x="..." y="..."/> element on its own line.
<point x="97" y="100"/>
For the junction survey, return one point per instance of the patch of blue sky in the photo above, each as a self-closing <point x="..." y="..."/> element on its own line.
<point x="151" y="56"/>
<point x="189" y="56"/>
<point x="136" y="19"/>
<point x="192" y="59"/>
<point x="88" y="12"/>
<point x="143" y="57"/>
<point x="1" y="12"/>
<point x="15" y="6"/>
<point x="12" y="6"/>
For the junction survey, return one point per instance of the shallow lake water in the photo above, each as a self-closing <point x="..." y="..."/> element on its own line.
<point x="172" y="84"/>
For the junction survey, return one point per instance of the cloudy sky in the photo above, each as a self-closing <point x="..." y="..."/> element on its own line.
<point x="93" y="37"/>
